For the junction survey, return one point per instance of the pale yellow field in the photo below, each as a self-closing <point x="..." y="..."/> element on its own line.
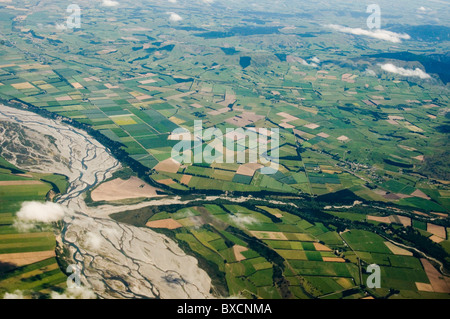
<point x="62" y="98"/>
<point x="143" y="97"/>
<point x="286" y="125"/>
<point x="248" y="169"/>
<point x="287" y="117"/>
<point x="311" y="126"/>
<point x="343" y="138"/>
<point x="419" y="193"/>
<point x="148" y="81"/>
<point x="274" y="211"/>
<point x="176" y="120"/>
<point x="123" y="120"/>
<point x="437" y="230"/>
<point x="292" y="254"/>
<point x="438" y="282"/>
<point x="21" y="259"/>
<point x="324" y="135"/>
<point x="406" y="221"/>
<point x="169" y="165"/>
<point x="424" y="287"/>
<point x="268" y="235"/>
<point x="345" y="282"/>
<point x="164" y="223"/>
<point x="320" y="247"/>
<point x="397" y="250"/>
<point x="167" y="181"/>
<point x="334" y="259"/>
<point x="110" y="86"/>
<point x="22" y="86"/>
<point x="436" y="239"/>
<point x="185" y="179"/>
<point x="119" y="189"/>
<point x="238" y="252"/>
<point x="380" y="219"/>
<point x="303" y="134"/>
<point x="77" y="85"/>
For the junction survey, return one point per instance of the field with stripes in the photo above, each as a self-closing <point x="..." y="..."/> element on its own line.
<point x="259" y="251"/>
<point x="27" y="259"/>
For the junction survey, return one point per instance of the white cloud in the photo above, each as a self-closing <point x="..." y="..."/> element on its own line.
<point x="17" y="294"/>
<point x="41" y="212"/>
<point x="74" y="293"/>
<point x="34" y="212"/>
<point x="110" y="232"/>
<point x="378" y="34"/>
<point x="315" y="59"/>
<point x="110" y="3"/>
<point x="172" y="1"/>
<point x="312" y="64"/>
<point x="370" y="72"/>
<point x="242" y="220"/>
<point x="208" y="1"/>
<point x="60" y="26"/>
<point x="423" y="9"/>
<point x="94" y="241"/>
<point x="77" y="292"/>
<point x="174" y="17"/>
<point x="24" y="227"/>
<point x="389" y="67"/>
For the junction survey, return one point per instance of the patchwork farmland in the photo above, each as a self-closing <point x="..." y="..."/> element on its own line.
<point x="258" y="251"/>
<point x="362" y="158"/>
<point x="27" y="259"/>
<point x="321" y="151"/>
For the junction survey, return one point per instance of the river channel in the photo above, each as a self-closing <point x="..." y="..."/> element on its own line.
<point x="115" y="260"/>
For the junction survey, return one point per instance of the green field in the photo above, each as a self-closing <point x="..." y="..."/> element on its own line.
<point x="38" y="278"/>
<point x="356" y="136"/>
<point x="141" y="111"/>
<point x="242" y="247"/>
